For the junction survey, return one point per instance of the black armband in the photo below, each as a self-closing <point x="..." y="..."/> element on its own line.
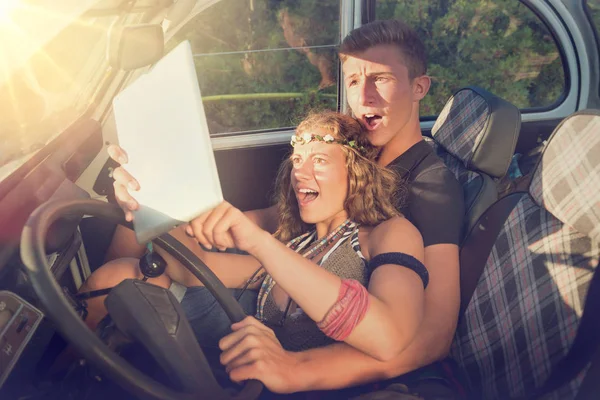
<point x="402" y="259"/>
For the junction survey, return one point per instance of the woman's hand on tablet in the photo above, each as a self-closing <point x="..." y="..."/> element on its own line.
<point x="225" y="227"/>
<point x="124" y="182"/>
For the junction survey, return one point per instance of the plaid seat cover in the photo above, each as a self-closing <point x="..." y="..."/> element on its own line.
<point x="463" y="175"/>
<point x="460" y="126"/>
<point x="525" y="311"/>
<point x="571" y="190"/>
<point x="457" y="131"/>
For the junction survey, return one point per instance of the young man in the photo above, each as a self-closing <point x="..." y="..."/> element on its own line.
<point x="384" y="66"/>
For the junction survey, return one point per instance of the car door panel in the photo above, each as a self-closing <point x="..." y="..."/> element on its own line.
<point x="248" y="175"/>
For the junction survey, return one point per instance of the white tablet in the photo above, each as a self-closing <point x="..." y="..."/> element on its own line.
<point x="162" y="126"/>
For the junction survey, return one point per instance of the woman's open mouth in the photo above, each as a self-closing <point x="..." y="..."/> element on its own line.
<point x="306" y="196"/>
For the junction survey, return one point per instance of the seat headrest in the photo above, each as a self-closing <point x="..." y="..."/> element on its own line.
<point x="480" y="129"/>
<point x="566" y="180"/>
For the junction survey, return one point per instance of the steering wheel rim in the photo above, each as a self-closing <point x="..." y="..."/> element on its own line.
<point x="72" y="327"/>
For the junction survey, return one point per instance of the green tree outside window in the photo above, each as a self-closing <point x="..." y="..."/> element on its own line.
<point x="499" y="45"/>
<point x="264" y="64"/>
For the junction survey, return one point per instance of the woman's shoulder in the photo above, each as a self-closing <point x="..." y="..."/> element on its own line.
<point x="396" y="234"/>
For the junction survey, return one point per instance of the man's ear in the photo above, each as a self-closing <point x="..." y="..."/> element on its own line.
<point x="421" y="85"/>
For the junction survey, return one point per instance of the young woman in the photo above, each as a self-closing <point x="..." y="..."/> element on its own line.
<point x="338" y="235"/>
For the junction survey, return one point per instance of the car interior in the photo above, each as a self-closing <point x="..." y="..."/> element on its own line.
<point x="528" y="258"/>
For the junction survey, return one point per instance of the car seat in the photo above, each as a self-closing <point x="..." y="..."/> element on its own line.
<point x="475" y="135"/>
<point x="526" y="270"/>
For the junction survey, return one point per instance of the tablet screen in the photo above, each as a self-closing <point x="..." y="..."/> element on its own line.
<point x="162" y="126"/>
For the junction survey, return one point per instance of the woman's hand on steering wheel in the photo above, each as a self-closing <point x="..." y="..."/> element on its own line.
<point x="225" y="227"/>
<point x="123" y="183"/>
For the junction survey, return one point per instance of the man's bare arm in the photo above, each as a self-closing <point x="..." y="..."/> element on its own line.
<point x="340" y="365"/>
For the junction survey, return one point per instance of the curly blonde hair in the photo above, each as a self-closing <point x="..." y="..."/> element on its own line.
<point x="374" y="192"/>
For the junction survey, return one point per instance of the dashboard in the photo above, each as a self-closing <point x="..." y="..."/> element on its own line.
<point x="18" y="322"/>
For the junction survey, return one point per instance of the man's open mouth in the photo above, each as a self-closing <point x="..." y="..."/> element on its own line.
<point x="372" y="121"/>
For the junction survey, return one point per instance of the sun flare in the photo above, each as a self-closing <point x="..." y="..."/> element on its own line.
<point x="6" y="6"/>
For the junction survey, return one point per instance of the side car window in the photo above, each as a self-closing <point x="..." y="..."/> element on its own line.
<point x="263" y="64"/>
<point x="594" y="10"/>
<point x="500" y="45"/>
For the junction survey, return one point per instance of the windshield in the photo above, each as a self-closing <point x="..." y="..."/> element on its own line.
<point x="52" y="59"/>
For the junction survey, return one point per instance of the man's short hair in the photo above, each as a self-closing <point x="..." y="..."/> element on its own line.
<point x="388" y="32"/>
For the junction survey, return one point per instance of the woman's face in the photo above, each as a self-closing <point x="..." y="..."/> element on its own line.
<point x="319" y="178"/>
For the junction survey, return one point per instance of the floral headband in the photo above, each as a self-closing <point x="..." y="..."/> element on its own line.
<point x="306" y="138"/>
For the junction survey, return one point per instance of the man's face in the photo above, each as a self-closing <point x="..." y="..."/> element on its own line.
<point x="380" y="92"/>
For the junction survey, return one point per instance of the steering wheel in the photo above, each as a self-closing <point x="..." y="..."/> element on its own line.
<point x="146" y="312"/>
